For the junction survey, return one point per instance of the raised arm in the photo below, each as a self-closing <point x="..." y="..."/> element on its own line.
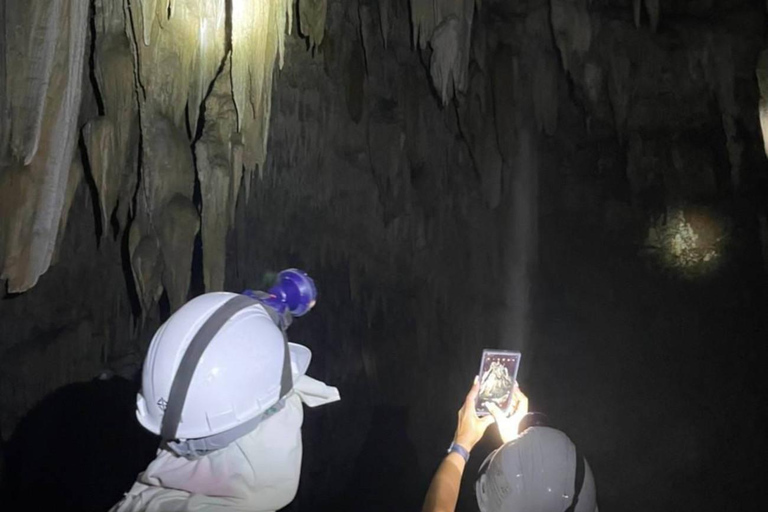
<point x="444" y="490"/>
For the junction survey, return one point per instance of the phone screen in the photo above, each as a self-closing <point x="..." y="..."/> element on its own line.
<point x="498" y="371"/>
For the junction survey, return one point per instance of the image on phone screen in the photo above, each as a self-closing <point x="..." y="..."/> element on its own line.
<point x="498" y="371"/>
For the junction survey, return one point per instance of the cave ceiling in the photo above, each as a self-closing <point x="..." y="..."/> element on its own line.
<point x="164" y="109"/>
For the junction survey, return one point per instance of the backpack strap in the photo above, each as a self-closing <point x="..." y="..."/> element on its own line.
<point x="578" y="482"/>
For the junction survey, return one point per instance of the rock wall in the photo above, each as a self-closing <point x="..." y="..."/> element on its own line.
<point x="404" y="153"/>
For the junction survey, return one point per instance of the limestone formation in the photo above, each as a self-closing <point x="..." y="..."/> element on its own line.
<point x="44" y="62"/>
<point x="412" y="155"/>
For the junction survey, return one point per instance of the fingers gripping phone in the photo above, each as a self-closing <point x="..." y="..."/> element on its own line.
<point x="498" y="372"/>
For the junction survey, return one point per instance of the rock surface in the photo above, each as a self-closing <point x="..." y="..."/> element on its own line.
<point x="455" y="174"/>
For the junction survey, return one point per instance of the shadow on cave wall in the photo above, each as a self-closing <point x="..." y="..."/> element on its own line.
<point x="78" y="450"/>
<point x="385" y="474"/>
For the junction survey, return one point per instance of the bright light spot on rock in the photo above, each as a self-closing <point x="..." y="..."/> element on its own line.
<point x="690" y="241"/>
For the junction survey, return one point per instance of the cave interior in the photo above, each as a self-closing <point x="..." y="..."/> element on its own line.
<point x="583" y="181"/>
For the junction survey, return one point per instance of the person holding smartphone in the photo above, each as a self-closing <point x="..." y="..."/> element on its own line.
<point x="536" y="469"/>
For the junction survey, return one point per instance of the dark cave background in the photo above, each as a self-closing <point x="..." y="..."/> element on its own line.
<point x="434" y="231"/>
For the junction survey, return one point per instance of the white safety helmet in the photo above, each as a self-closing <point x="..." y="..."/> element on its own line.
<point x="540" y="471"/>
<point x="236" y="379"/>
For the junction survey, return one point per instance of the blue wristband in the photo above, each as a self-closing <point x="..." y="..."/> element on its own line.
<point x="460" y="450"/>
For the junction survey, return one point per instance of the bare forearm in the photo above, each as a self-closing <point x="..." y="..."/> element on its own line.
<point x="444" y="490"/>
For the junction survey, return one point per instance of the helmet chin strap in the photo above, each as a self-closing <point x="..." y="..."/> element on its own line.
<point x="195" y="448"/>
<point x="201" y="340"/>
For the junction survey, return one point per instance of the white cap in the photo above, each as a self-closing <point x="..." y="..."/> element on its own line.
<point x="537" y="472"/>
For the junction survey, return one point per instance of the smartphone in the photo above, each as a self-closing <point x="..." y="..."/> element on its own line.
<point x="498" y="371"/>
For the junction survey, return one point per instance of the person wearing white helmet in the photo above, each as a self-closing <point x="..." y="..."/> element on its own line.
<point x="224" y="389"/>
<point x="538" y="470"/>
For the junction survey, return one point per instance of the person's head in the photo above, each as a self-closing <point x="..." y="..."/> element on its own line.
<point x="218" y="364"/>
<point x="220" y="372"/>
<point x="540" y="471"/>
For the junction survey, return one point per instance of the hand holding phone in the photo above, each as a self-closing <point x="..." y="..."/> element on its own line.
<point x="470" y="427"/>
<point x="509" y="424"/>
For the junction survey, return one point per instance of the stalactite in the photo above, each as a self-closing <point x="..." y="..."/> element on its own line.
<point x="572" y="29"/>
<point x="148" y="9"/>
<point x="209" y="53"/>
<point x="165" y="211"/>
<point x="652" y="8"/>
<point x="112" y="140"/>
<point x="572" y="37"/>
<point x="447" y="66"/>
<point x="167" y="174"/>
<point x="219" y="164"/>
<point x="99" y="135"/>
<point x="384" y="14"/>
<point x="446" y="25"/>
<point x="312" y="20"/>
<point x="36" y="184"/>
<point x="422" y="22"/>
<point x="34" y="29"/>
<point x="76" y="174"/>
<point x="146" y="266"/>
<point x="637" y="9"/>
<point x="166" y="65"/>
<point x="258" y="31"/>
<point x="369" y="31"/>
<point x="178" y="223"/>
